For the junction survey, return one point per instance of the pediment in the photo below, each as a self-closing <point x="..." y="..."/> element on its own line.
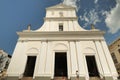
<point x="61" y="5"/>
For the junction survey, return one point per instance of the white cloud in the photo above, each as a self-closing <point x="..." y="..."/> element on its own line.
<point x="104" y="13"/>
<point x="73" y="3"/>
<point x="90" y="17"/>
<point x="113" y="19"/>
<point x="95" y="1"/>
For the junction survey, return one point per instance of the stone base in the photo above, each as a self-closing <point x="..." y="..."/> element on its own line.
<point x="80" y="78"/>
<point x="48" y="78"/>
<point x="108" y="78"/>
<point x="42" y="78"/>
<point x="12" y="78"/>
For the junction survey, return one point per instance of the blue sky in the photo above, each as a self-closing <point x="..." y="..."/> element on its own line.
<point x="15" y="15"/>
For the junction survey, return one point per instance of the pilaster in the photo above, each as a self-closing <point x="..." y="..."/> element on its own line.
<point x="102" y="59"/>
<point x="73" y="57"/>
<point x="109" y="59"/>
<point x="48" y="65"/>
<point x="43" y="53"/>
<point x="81" y="64"/>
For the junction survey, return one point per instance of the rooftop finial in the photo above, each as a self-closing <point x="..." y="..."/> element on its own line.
<point x="92" y="26"/>
<point x="29" y="26"/>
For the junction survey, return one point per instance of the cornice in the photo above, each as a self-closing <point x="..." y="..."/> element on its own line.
<point x="61" y="18"/>
<point x="60" y="9"/>
<point x="88" y="32"/>
<point x="65" y="35"/>
<point x="61" y="6"/>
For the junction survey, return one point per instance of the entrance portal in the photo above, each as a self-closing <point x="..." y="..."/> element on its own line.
<point x="60" y="64"/>
<point x="29" y="70"/>
<point x="92" y="67"/>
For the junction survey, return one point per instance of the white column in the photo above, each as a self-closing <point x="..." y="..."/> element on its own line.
<point x="48" y="66"/>
<point x="68" y="64"/>
<point x="102" y="59"/>
<point x="81" y="64"/>
<point x="53" y="64"/>
<point x="74" y="66"/>
<point x="42" y="58"/>
<point x="109" y="58"/>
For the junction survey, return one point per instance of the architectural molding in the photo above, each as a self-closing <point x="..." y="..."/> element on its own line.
<point x="60" y="18"/>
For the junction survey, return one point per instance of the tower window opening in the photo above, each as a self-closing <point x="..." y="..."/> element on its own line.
<point x="60" y="27"/>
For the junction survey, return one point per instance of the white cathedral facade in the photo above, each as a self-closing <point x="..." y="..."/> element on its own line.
<point x="62" y="49"/>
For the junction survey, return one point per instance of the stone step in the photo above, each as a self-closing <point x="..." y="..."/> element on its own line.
<point x="27" y="78"/>
<point x="95" y="78"/>
<point x="60" y="78"/>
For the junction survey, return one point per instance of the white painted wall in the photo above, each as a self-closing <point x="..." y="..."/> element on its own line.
<point x="18" y="61"/>
<point x="76" y="49"/>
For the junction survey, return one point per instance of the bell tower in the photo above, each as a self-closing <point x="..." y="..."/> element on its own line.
<point x="61" y="15"/>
